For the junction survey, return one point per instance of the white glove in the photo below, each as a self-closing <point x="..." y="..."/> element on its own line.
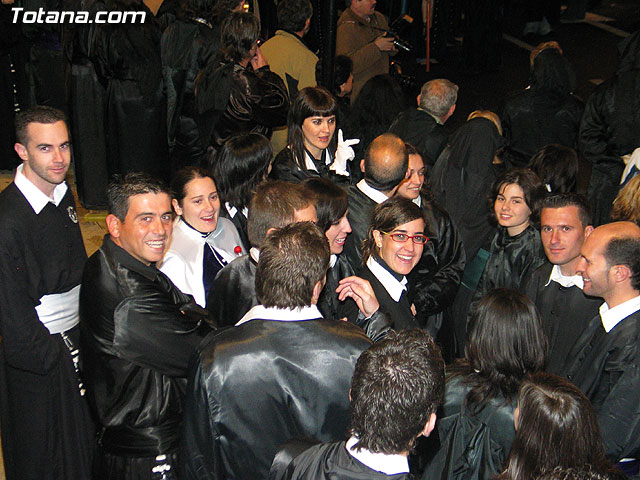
<point x="344" y="152"/>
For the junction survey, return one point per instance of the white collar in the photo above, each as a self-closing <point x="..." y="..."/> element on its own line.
<point x="418" y="201"/>
<point x="380" y="462"/>
<point x="564" y="280"/>
<point x="255" y="254"/>
<point x="281" y="314"/>
<point x="34" y="195"/>
<point x="393" y="287"/>
<point x="375" y="195"/>
<point x="613" y="316"/>
<point x="332" y="260"/>
<point x="233" y="210"/>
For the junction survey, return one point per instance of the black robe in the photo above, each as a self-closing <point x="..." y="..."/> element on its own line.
<point x="359" y="216"/>
<point x="284" y="167"/>
<point x="128" y="64"/>
<point x="328" y="303"/>
<point x="255" y="386"/>
<point x="46" y="428"/>
<point x="138" y="332"/>
<point x="187" y="47"/>
<point x="606" y="367"/>
<point x="327" y="462"/>
<point x="565" y="312"/>
<point x="233" y="292"/>
<point x="421" y="130"/>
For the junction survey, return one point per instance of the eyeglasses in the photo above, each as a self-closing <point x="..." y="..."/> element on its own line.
<point x="403" y="237"/>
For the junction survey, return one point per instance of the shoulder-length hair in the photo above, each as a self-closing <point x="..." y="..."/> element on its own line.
<point x="240" y="32"/>
<point x="557" y="427"/>
<point x="505" y="343"/>
<point x="330" y="199"/>
<point x="385" y="217"/>
<point x="310" y="102"/>
<point x="239" y="166"/>
<point x="626" y="206"/>
<point x="530" y="184"/>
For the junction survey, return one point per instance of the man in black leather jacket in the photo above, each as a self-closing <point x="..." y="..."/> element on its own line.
<point x="283" y="372"/>
<point x="137" y="334"/>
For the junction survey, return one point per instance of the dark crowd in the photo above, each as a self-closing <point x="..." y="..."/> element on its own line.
<point x="307" y="274"/>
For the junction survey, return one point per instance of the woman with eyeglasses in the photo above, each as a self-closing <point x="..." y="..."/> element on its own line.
<point x="392" y="248"/>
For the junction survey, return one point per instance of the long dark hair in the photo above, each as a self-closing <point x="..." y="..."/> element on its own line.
<point x="557" y="427"/>
<point x="505" y="343"/>
<point x="330" y="199"/>
<point x="310" y="102"/>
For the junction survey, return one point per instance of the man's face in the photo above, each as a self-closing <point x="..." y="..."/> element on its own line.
<point x="594" y="268"/>
<point x="146" y="229"/>
<point x="46" y="155"/>
<point x="363" y="8"/>
<point x="562" y="236"/>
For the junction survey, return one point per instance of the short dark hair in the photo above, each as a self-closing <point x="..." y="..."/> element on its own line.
<point x="240" y="165"/>
<point x="505" y="343"/>
<point x="561" y="200"/>
<point x="530" y="184"/>
<point x="557" y="426"/>
<point x="273" y="206"/>
<point x="331" y="201"/>
<point x="310" y="102"/>
<point x="385" y="217"/>
<point x="182" y="177"/>
<point x="122" y="188"/>
<point x="293" y="14"/>
<point x="240" y="32"/>
<point x="381" y="176"/>
<point x="36" y="114"/>
<point x="292" y="260"/>
<point x="397" y="384"/>
<point x="557" y="167"/>
<point x="625" y="251"/>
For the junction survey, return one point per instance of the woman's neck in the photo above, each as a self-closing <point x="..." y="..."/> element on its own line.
<point x="517" y="230"/>
<point x="314" y="151"/>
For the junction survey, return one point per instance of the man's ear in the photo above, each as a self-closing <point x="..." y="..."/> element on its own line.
<point x="587" y="230"/>
<point x="362" y="165"/>
<point x="429" y="426"/>
<point x="418" y="99"/>
<point x="21" y="150"/>
<point x="317" y="289"/>
<point x="621" y="273"/>
<point x="176" y="207"/>
<point x="113" y="225"/>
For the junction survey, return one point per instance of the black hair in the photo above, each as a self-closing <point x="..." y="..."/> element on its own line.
<point x="557" y="167"/>
<point x="36" y="114"/>
<point x="293" y="14"/>
<point x="124" y="187"/>
<point x="330" y="199"/>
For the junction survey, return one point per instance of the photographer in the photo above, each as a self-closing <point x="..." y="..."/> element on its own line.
<point x="361" y="36"/>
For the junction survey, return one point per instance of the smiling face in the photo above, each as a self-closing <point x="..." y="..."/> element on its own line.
<point x="511" y="209"/>
<point x="401" y="257"/>
<point x="562" y="236"/>
<point x="46" y="155"/>
<point x="317" y="132"/>
<point x="410" y="186"/>
<point x="594" y="268"/>
<point x="337" y="234"/>
<point x="200" y="205"/>
<point x="146" y="229"/>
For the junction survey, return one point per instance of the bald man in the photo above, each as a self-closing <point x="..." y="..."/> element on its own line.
<point x="605" y="360"/>
<point x="384" y="167"/>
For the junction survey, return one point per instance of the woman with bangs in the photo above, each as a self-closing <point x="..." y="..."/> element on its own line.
<point x="312" y="142"/>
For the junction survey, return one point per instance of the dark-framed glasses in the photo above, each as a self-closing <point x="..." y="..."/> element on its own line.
<point x="403" y="237"/>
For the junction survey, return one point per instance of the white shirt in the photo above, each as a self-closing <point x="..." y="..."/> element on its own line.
<point x="281" y="314"/>
<point x="380" y="462"/>
<point x="613" y="316"/>
<point x="183" y="261"/>
<point x="564" y="280"/>
<point x="375" y="195"/>
<point x="36" y="198"/>
<point x="388" y="281"/>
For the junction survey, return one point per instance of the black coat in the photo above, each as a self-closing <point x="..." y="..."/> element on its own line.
<point x="359" y="216"/>
<point x="327" y="462"/>
<point x="284" y="167"/>
<point x="532" y="120"/>
<point x="328" y="303"/>
<point x="435" y="279"/>
<point x="606" y="367"/>
<point x="187" y="47"/>
<point x="257" y="385"/>
<point x="610" y="128"/>
<point x="233" y="292"/>
<point x="421" y="130"/>
<point x="127" y="61"/>
<point x="231" y="99"/>
<point x="138" y="332"/>
<point x="473" y="445"/>
<point x="564" y="312"/>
